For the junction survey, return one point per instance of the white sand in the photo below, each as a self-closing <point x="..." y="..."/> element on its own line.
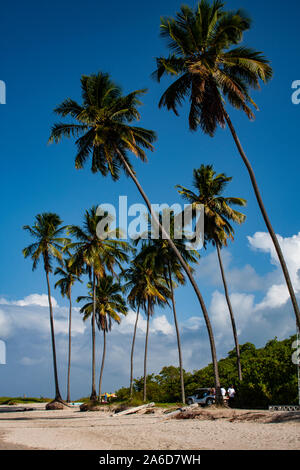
<point x="71" y="429"/>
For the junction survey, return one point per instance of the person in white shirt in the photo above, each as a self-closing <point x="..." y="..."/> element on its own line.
<point x="231" y="395"/>
<point x="223" y="392"/>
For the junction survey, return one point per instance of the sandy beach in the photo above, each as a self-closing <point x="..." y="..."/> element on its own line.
<point x="4" y="445"/>
<point x="211" y="429"/>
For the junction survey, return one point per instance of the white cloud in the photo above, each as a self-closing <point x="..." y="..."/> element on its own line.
<point x="158" y="323"/>
<point x="28" y="361"/>
<point x="128" y="323"/>
<point x="30" y="357"/>
<point x="244" y="278"/>
<point x="255" y="322"/>
<point x="32" y="314"/>
<point x="34" y="299"/>
<point x="193" y="323"/>
<point x="5" y="325"/>
<point x="270" y="316"/>
<point x="161" y="324"/>
<point x="277" y="294"/>
<point x="290" y="248"/>
<point x="243" y="308"/>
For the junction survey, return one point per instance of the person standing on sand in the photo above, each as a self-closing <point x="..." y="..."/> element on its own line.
<point x="231" y="395"/>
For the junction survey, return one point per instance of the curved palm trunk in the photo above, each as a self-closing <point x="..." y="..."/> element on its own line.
<point x="236" y="341"/>
<point x="146" y="352"/>
<point x="132" y="351"/>
<point x="189" y="275"/>
<point x="94" y="393"/>
<point x="57" y="392"/>
<point x="70" y="338"/>
<point x="266" y="219"/>
<point x="178" y="336"/>
<point x="102" y="363"/>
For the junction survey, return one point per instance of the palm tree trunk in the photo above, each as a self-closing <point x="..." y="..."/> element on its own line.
<point x="57" y="392"/>
<point x="146" y="352"/>
<point x="188" y="273"/>
<point x="70" y="338"/>
<point x="266" y="219"/>
<point x="132" y="351"/>
<point x="94" y="393"/>
<point x="178" y="335"/>
<point x="102" y="363"/>
<point x="237" y="346"/>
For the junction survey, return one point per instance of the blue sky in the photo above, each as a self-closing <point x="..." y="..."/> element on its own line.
<point x="45" y="50"/>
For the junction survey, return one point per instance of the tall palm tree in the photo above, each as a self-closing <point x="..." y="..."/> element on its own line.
<point x="150" y="290"/>
<point x="110" y="303"/>
<point x="135" y="286"/>
<point x="166" y="262"/>
<point x="218" y="215"/>
<point x="68" y="276"/>
<point x="48" y="231"/>
<point x="97" y="255"/>
<point x="210" y="72"/>
<point x="103" y="129"/>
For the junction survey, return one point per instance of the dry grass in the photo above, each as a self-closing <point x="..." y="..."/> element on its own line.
<point x="233" y="415"/>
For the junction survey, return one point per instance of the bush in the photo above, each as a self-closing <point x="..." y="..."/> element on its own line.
<point x="269" y="378"/>
<point x="253" y="396"/>
<point x="122" y="394"/>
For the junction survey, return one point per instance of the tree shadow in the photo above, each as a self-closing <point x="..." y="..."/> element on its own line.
<point x="286" y="417"/>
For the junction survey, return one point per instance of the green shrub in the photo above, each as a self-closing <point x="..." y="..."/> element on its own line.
<point x="269" y="378"/>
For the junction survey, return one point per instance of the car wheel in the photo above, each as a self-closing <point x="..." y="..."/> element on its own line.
<point x="209" y="401"/>
<point x="189" y="401"/>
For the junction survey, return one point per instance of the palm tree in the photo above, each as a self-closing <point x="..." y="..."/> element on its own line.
<point x="135" y="285"/>
<point x="97" y="255"/>
<point x="47" y="231"/>
<point x="68" y="276"/>
<point x="218" y="214"/>
<point x="209" y="71"/>
<point x="149" y="290"/>
<point x="102" y="127"/>
<point x="109" y="304"/>
<point x="167" y="264"/>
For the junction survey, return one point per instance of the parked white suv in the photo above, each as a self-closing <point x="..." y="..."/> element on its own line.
<point x="202" y="396"/>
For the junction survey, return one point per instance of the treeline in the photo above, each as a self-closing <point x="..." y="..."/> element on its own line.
<point x="269" y="378"/>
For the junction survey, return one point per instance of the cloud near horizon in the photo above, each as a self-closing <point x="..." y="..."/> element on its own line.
<point x="273" y="314"/>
